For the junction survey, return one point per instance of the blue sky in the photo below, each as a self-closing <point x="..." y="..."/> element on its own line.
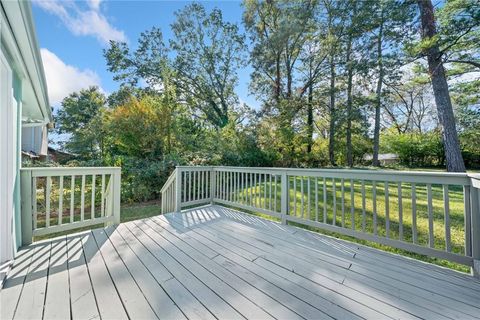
<point x="72" y="35"/>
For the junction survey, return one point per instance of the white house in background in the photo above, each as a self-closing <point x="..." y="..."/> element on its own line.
<point x="25" y="112"/>
<point x="384" y="158"/>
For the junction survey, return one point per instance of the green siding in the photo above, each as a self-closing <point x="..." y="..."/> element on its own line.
<point x="17" y="222"/>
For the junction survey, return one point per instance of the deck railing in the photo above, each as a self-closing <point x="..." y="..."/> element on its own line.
<point x="65" y="198"/>
<point x="431" y="213"/>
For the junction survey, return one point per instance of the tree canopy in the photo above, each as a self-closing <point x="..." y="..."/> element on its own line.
<point x="335" y="80"/>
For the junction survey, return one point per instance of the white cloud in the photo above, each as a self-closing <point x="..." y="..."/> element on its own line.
<point x="63" y="79"/>
<point x="94" y="4"/>
<point x="88" y="21"/>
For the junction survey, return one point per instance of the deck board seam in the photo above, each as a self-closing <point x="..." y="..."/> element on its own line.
<point x="89" y="275"/>
<point x="220" y="266"/>
<point x="136" y="282"/>
<point x="352" y="288"/>
<point x="46" y="282"/>
<point x="68" y="277"/>
<point x="111" y="278"/>
<point x="213" y="274"/>
<point x="181" y="282"/>
<point x="386" y="275"/>
<point x="268" y="280"/>
<point x="23" y="282"/>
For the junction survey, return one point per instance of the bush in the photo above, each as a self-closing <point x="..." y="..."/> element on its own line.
<point x="142" y="179"/>
<point x="415" y="149"/>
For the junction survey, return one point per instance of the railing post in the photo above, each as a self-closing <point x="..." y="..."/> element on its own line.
<point x="117" y="181"/>
<point x="213" y="187"/>
<point x="28" y="195"/>
<point x="475" y="229"/>
<point x="178" y="189"/>
<point x="284" y="197"/>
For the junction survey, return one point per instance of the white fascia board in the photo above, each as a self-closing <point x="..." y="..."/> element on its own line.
<point x="19" y="37"/>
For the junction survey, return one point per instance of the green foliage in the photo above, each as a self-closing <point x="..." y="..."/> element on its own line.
<point x="143" y="178"/>
<point x="80" y="119"/>
<point x="140" y="127"/>
<point x="415" y="149"/>
<point x="320" y="68"/>
<point x="208" y="51"/>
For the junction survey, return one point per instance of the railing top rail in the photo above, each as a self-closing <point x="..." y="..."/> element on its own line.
<point x="69" y="168"/>
<point x="380" y="175"/>
<point x="59" y="171"/>
<point x="169" y="180"/>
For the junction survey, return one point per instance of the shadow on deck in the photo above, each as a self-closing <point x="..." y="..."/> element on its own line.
<point x="213" y="262"/>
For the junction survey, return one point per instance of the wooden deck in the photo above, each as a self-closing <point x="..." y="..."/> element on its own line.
<point x="214" y="262"/>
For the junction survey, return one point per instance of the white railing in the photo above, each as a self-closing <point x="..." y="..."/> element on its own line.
<point x="65" y="198"/>
<point x="168" y="193"/>
<point x="431" y="213"/>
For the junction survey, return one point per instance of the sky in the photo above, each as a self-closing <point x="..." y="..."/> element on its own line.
<point x="73" y="34"/>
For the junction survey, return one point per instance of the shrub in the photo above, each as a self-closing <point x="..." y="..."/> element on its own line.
<point x="415" y="148"/>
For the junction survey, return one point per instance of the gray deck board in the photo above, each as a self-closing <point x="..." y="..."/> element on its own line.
<point x="82" y="298"/>
<point x="158" y="299"/>
<point x="13" y="285"/>
<point x="367" y="273"/>
<point x="328" y="290"/>
<point x="214" y="303"/>
<point x="308" y="285"/>
<point x="248" y="286"/>
<point x="108" y="302"/>
<point x="32" y="299"/>
<point x="132" y="297"/>
<point x="209" y="277"/>
<point x="391" y="284"/>
<point x="466" y="295"/>
<point x="57" y="285"/>
<point x="189" y="305"/>
<point x="214" y="262"/>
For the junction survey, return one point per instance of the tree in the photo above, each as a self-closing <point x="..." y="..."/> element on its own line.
<point x="209" y="52"/>
<point x="203" y="57"/>
<point x="353" y="32"/>
<point x="391" y="30"/>
<point x="80" y="120"/>
<point x="459" y="34"/>
<point x="436" y="70"/>
<point x="144" y="64"/>
<point x="334" y="29"/>
<point x="138" y="127"/>
<point x="286" y="62"/>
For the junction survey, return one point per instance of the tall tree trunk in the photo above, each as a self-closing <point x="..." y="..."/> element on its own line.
<point x="310" y="119"/>
<point x="331" y="141"/>
<point x="349" y="84"/>
<point x="378" y="102"/>
<point x="277" y="80"/>
<point x="349" y="101"/>
<point x="453" y="153"/>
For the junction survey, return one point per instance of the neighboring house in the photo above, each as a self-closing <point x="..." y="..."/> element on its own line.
<point x="384" y="158"/>
<point x="25" y="113"/>
<point x="58" y="156"/>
